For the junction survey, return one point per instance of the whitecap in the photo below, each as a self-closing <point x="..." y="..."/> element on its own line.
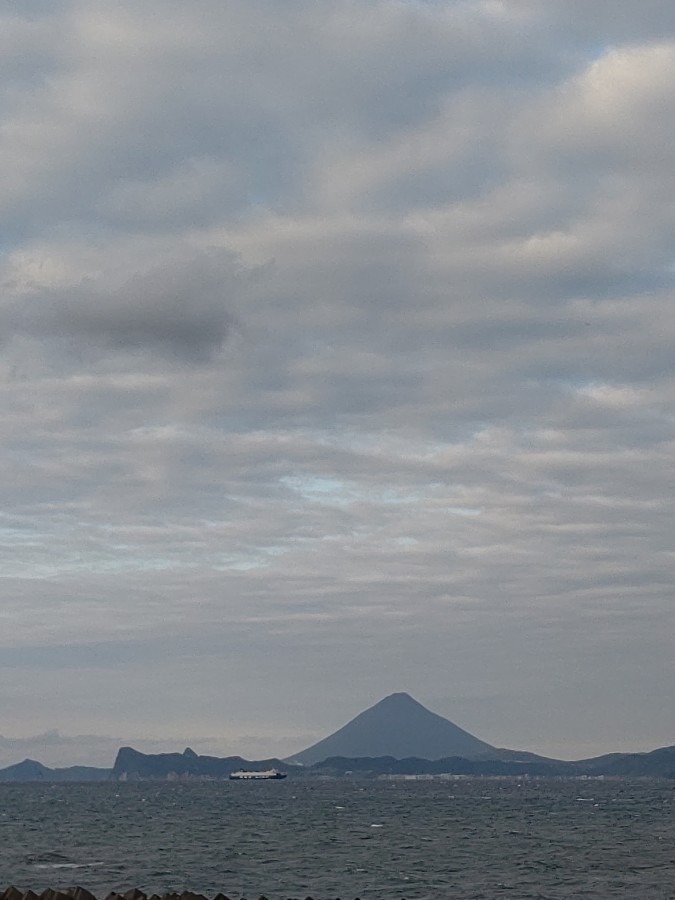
<point x="65" y="865"/>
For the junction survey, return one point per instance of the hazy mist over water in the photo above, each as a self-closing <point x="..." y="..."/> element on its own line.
<point x="463" y="839"/>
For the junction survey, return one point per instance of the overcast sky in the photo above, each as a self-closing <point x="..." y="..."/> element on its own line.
<point x="337" y="354"/>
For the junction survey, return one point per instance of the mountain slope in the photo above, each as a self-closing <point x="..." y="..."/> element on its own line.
<point x="396" y="726"/>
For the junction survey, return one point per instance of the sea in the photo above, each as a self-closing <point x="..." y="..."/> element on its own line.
<point x="474" y="839"/>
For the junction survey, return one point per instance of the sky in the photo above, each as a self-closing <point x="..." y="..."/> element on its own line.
<point x="336" y="359"/>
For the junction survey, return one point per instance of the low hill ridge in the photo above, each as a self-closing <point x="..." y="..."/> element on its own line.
<point x="132" y="765"/>
<point x="397" y="726"/>
<point x="31" y="770"/>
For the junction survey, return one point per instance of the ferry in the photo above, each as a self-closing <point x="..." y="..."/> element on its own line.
<point x="267" y="775"/>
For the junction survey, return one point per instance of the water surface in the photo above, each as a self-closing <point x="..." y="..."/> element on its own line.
<point x="475" y="838"/>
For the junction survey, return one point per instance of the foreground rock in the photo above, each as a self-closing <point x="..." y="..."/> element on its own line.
<point x="80" y="893"/>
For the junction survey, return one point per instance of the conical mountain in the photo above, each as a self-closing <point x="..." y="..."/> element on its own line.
<point x="397" y="726"/>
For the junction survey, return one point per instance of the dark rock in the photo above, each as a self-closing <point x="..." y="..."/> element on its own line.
<point x="11" y="893"/>
<point x="51" y="894"/>
<point x="79" y="893"/>
<point x="134" y="894"/>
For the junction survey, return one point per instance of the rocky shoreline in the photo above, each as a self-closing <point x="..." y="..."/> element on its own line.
<point x="80" y="893"/>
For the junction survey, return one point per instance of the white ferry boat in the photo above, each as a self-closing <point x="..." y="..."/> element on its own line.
<point x="267" y="775"/>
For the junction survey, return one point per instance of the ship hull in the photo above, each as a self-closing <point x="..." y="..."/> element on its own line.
<point x="272" y="775"/>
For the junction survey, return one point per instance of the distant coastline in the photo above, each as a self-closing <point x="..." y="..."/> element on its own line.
<point x="397" y="737"/>
<point x="132" y="765"/>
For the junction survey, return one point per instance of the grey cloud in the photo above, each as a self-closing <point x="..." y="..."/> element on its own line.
<point x="601" y="21"/>
<point x="183" y="309"/>
<point x="131" y="130"/>
<point x="409" y="426"/>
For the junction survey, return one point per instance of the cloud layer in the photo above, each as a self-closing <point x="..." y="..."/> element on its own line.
<point x="336" y="359"/>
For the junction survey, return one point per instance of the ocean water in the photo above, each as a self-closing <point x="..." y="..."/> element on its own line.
<point x="478" y="838"/>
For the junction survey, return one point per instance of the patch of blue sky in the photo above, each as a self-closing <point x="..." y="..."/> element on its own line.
<point x="37" y="566"/>
<point x="573" y="384"/>
<point x="248" y="562"/>
<point x="332" y="492"/>
<point x="399" y="446"/>
<point x="313" y="484"/>
<point x="317" y="489"/>
<point x="241" y="565"/>
<point x="397" y="497"/>
<point x="12" y="537"/>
